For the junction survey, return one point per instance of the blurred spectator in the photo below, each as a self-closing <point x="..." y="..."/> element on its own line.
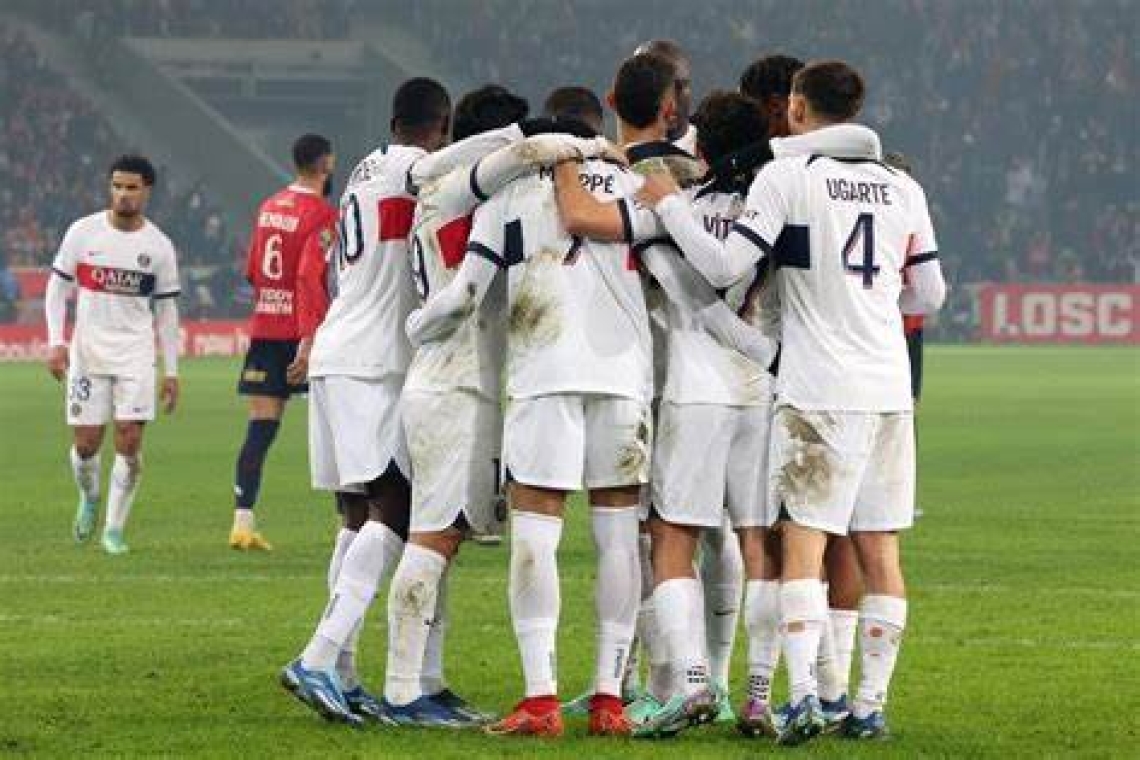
<point x="9" y="292"/>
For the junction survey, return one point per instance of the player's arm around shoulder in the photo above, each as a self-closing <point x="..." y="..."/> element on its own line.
<point x="448" y="308"/>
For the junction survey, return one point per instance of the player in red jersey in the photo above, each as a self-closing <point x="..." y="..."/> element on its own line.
<point x="286" y="267"/>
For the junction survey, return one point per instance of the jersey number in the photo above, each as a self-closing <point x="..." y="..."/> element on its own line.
<point x="272" y="262"/>
<point x="350" y="233"/>
<point x="864" y="231"/>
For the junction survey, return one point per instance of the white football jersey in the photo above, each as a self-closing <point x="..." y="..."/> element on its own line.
<point x="839" y="231"/>
<point x="470" y="357"/>
<point x="700" y="370"/>
<point x="363" y="333"/>
<point x="117" y="273"/>
<point x="576" y="320"/>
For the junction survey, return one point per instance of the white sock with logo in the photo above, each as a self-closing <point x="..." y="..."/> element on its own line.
<point x="86" y="472"/>
<point x="844" y="627"/>
<point x="432" y="680"/>
<point x="683" y="631"/>
<point x="125" y="475"/>
<point x="722" y="575"/>
<point x="881" y="624"/>
<point x="762" y="622"/>
<point x="535" y="597"/>
<point x="617" y="593"/>
<point x="411" y="609"/>
<point x="374" y="551"/>
<point x="803" y="608"/>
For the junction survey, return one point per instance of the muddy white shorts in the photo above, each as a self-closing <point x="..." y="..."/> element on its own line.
<point x="571" y="441"/>
<point x="843" y="471"/>
<point x="453" y="442"/>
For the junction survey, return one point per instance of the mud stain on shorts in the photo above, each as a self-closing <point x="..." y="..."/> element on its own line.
<point x="805" y="478"/>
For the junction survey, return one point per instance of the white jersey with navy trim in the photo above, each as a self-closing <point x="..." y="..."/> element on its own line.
<point x="577" y="321"/>
<point x="118" y="274"/>
<point x="363" y="333"/>
<point x="841" y="232"/>
<point x="701" y="370"/>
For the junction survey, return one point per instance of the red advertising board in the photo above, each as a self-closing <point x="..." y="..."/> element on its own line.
<point x="199" y="338"/>
<point x="1059" y="313"/>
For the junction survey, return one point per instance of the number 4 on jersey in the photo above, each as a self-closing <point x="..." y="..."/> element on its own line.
<point x="865" y="229"/>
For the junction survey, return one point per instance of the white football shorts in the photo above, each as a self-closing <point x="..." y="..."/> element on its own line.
<point x="709" y="459"/>
<point x="453" y="442"/>
<point x="843" y="471"/>
<point x="93" y="400"/>
<point x="354" y="431"/>
<point x="569" y="441"/>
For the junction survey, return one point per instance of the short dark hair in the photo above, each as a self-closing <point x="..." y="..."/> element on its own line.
<point x="833" y="89"/>
<point x="770" y="75"/>
<point x="727" y="122"/>
<point x="420" y="104"/>
<point x="487" y="108"/>
<point x="575" y="104"/>
<point x="134" y="163"/>
<point x="641" y="84"/>
<point x="308" y="150"/>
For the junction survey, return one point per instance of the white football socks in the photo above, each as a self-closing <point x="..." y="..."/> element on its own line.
<point x="617" y="593"/>
<point x="683" y="632"/>
<point x="344" y="539"/>
<point x="86" y="472"/>
<point x="374" y="551"/>
<point x="803" y="608"/>
<point x="125" y="474"/>
<point x="534" y="597"/>
<point x="432" y="680"/>
<point x="881" y="624"/>
<point x="722" y="575"/>
<point x="346" y="658"/>
<point x="660" y="680"/>
<point x="762" y="622"/>
<point x="844" y="625"/>
<point x="411" y="609"/>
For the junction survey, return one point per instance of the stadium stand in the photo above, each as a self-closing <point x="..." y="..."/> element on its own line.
<point x="1021" y="191"/>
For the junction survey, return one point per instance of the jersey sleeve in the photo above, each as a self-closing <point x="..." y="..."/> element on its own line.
<point x="312" y="275"/>
<point x="923" y="246"/>
<point x="67" y="257"/>
<point x="167" y="284"/>
<point x="766" y="210"/>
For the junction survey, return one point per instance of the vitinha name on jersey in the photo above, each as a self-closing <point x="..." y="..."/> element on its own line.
<point x="124" y="282"/>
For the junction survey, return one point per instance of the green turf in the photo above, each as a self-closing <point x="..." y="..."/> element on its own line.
<point x="1024" y="576"/>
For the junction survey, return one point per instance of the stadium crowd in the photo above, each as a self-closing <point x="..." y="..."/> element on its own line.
<point x="1024" y="189"/>
<point x="252" y="19"/>
<point x="53" y="148"/>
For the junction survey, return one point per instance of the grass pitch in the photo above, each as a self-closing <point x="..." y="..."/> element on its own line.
<point x="1024" y="580"/>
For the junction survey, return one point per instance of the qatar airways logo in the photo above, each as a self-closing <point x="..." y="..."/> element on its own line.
<point x="123" y="282"/>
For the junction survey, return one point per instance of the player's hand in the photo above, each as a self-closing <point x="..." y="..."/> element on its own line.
<point x="657" y="187"/>
<point x="169" y="394"/>
<point x="57" y="362"/>
<point x="298" y="370"/>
